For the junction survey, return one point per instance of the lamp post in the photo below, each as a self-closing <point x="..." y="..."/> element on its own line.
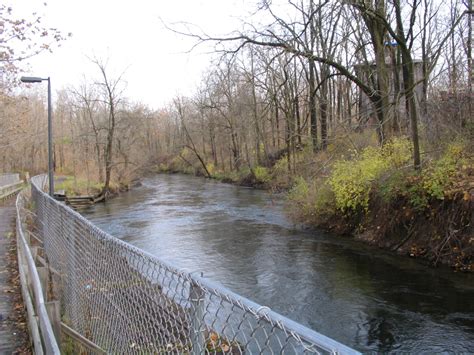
<point x="32" y="79"/>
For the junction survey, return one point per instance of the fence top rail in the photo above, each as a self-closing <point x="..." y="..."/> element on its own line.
<point x="296" y="330"/>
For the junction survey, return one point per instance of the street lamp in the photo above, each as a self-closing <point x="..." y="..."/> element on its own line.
<point x="32" y="79"/>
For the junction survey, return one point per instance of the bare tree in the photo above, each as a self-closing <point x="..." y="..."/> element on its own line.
<point x="20" y="39"/>
<point x="180" y="108"/>
<point x="111" y="96"/>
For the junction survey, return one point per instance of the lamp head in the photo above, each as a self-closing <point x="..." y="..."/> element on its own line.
<point x="31" y="79"/>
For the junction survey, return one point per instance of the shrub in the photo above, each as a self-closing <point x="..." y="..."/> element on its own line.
<point x="299" y="191"/>
<point x="324" y="201"/>
<point x="229" y="176"/>
<point x="312" y="200"/>
<point x="261" y="174"/>
<point x="351" y="180"/>
<point x="397" y="152"/>
<point x="210" y="168"/>
<point x="243" y="173"/>
<point x="279" y="175"/>
<point x="432" y="182"/>
<point x="439" y="176"/>
<point x="281" y="166"/>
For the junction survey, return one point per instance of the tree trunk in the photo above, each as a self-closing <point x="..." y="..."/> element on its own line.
<point x="312" y="105"/>
<point x="409" y="84"/>
<point x="323" y="106"/>
<point x="383" y="102"/>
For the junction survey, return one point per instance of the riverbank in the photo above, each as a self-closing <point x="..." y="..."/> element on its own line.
<point x="440" y="234"/>
<point x="373" y="195"/>
<point x="85" y="191"/>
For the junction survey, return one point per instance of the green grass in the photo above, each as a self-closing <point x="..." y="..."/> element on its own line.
<point x="74" y="186"/>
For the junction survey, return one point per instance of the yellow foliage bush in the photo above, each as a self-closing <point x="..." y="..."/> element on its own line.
<point x="312" y="200"/>
<point x="299" y="191"/>
<point x="398" y="152"/>
<point x="351" y="180"/>
<point x="438" y="176"/>
<point x="262" y="174"/>
<point x="279" y="174"/>
<point x="211" y="168"/>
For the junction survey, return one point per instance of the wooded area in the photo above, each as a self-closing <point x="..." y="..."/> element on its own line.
<point x="301" y="78"/>
<point x="360" y="109"/>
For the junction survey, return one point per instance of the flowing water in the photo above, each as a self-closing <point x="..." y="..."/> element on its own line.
<point x="361" y="296"/>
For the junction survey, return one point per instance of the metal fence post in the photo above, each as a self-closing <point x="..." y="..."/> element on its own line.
<point x="198" y="326"/>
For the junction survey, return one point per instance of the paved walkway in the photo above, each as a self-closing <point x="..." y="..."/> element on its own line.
<point x="13" y="328"/>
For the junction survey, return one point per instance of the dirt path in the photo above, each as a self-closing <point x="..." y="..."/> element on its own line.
<point x="13" y="326"/>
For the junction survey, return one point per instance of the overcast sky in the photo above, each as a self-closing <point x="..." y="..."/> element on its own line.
<point x="131" y="35"/>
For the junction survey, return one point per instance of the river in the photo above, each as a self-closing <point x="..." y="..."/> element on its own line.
<point x="361" y="296"/>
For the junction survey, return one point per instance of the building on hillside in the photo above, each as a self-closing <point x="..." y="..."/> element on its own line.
<point x="368" y="73"/>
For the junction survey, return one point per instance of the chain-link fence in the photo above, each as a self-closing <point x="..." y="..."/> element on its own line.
<point x="127" y="301"/>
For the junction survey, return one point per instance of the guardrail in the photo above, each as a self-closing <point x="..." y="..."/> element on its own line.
<point x="116" y="298"/>
<point x="9" y="179"/>
<point x="10" y="190"/>
<point x="41" y="331"/>
<point x="10" y="184"/>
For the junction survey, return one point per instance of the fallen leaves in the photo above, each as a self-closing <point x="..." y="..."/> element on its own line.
<point x="17" y="316"/>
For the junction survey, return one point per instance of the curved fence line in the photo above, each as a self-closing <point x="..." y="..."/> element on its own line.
<point x="125" y="300"/>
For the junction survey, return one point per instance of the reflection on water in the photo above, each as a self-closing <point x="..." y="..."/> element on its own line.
<point x="239" y="237"/>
